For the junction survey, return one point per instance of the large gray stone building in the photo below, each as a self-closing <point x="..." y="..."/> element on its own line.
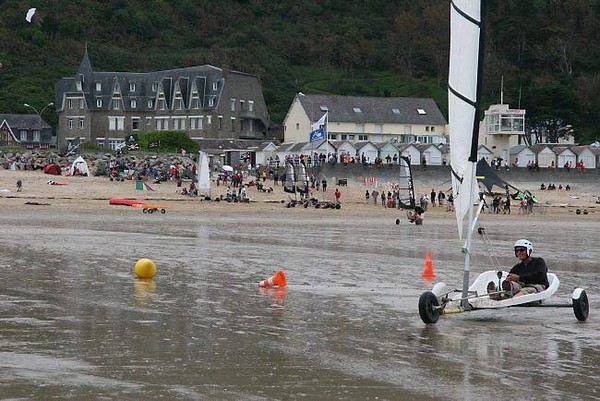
<point x="204" y="101"/>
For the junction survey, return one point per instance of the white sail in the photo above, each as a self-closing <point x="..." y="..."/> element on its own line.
<point x="463" y="95"/>
<point x="203" y="174"/>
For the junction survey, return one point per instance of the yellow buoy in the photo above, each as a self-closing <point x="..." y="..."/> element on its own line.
<point x="145" y="268"/>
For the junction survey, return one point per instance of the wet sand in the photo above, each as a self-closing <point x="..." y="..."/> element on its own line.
<point x="77" y="324"/>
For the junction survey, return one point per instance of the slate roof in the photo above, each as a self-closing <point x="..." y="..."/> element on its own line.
<point x="25" y="121"/>
<point x="378" y="110"/>
<point x="184" y="77"/>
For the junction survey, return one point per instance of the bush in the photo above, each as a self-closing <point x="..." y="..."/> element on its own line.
<point x="170" y="141"/>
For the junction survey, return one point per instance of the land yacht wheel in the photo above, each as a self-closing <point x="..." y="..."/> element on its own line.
<point x="581" y="306"/>
<point x="428" y="308"/>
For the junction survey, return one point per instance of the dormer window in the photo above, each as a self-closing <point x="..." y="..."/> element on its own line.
<point x="99" y="102"/>
<point x="150" y="103"/>
<point x="98" y="86"/>
<point x="78" y="85"/>
<point x="250" y="105"/>
<point x="132" y="87"/>
<point x="421" y="112"/>
<point x="154" y="86"/>
<point x="215" y="85"/>
<point x="133" y="103"/>
<point x="211" y="101"/>
<point x="232" y="104"/>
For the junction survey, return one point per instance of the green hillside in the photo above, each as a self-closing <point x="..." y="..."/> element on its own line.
<point x="548" y="51"/>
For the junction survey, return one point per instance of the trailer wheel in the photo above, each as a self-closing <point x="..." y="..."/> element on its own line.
<point x="581" y="306"/>
<point x="163" y="211"/>
<point x="428" y="308"/>
<point x="150" y="211"/>
<point x="144" y="210"/>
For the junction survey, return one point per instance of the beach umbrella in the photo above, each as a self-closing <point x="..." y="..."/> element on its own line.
<point x="227" y="168"/>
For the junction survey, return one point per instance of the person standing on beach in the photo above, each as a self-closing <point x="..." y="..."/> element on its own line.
<point x="432" y="197"/>
<point x="338" y="195"/>
<point x="19" y="185"/>
<point x="324" y="184"/>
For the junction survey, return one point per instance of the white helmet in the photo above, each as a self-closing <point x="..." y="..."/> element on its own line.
<point x="524" y="243"/>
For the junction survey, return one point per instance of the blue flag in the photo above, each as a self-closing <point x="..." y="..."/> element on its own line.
<point x="317" y="135"/>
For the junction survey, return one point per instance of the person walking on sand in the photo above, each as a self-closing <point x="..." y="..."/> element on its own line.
<point x="19" y="185"/>
<point x="324" y="184"/>
<point x="338" y="195"/>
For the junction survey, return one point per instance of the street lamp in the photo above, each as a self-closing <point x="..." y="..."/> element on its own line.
<point x="39" y="113"/>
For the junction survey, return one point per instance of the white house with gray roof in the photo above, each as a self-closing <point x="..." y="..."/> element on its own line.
<point x="375" y="119"/>
<point x="203" y="101"/>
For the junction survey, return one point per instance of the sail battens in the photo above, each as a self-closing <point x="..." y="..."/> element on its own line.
<point x="464" y="88"/>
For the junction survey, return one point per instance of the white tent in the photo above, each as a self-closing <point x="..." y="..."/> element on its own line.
<point x="81" y="166"/>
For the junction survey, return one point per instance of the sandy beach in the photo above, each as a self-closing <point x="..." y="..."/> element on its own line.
<point x="93" y="193"/>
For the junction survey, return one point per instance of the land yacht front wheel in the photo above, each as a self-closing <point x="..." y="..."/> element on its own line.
<point x="429" y="307"/>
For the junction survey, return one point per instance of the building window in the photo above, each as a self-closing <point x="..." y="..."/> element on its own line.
<point x="242" y="104"/>
<point x="135" y="123"/>
<point x="250" y="105"/>
<point x="233" y="123"/>
<point x="232" y="105"/>
<point x="363" y="138"/>
<point x="209" y="120"/>
<point x="36" y="135"/>
<point x="132" y="87"/>
<point x="116" y="123"/>
<point x="116" y="104"/>
<point x="179" y="104"/>
<point x="215" y="85"/>
<point x="70" y="103"/>
<point x="78" y="85"/>
<point x="211" y="101"/>
<point x="70" y="123"/>
<point x="407" y="129"/>
<point x="432" y="129"/>
<point x="115" y="144"/>
<point x="133" y="103"/>
<point x="162" y="105"/>
<point x="81" y="123"/>
<point x="99" y="102"/>
<point x="175" y="123"/>
<point x="182" y="123"/>
<point x="150" y="104"/>
<point x="154" y="86"/>
<point x="81" y="104"/>
<point x="220" y="122"/>
<point x="421" y="112"/>
<point x="297" y="126"/>
<point x="98" y="87"/>
<point x="23" y="135"/>
<point x="396" y="111"/>
<point x="195" y="103"/>
<point x="332" y="136"/>
<point x="100" y="142"/>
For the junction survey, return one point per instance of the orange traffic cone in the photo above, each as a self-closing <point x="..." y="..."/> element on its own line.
<point x="428" y="273"/>
<point x="276" y="280"/>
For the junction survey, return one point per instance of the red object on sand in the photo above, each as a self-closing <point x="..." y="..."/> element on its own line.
<point x="124" y="202"/>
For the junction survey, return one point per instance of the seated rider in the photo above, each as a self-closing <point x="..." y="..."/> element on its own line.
<point x="526" y="277"/>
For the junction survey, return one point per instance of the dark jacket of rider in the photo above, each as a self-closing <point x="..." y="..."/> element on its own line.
<point x="532" y="271"/>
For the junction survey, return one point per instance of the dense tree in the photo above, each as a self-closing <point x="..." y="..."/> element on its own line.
<point x="546" y="50"/>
